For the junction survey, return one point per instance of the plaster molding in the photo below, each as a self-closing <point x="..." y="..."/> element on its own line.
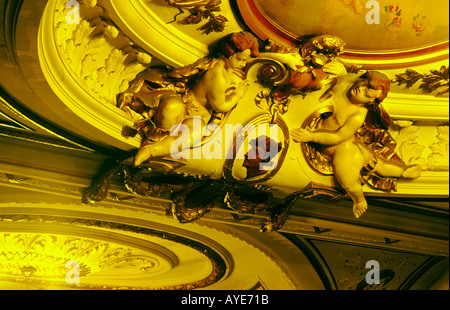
<point x="84" y="81"/>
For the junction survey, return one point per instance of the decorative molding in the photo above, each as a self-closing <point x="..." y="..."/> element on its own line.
<point x="439" y="158"/>
<point x="48" y="255"/>
<point x="104" y="256"/>
<point x="98" y="53"/>
<point x="86" y="65"/>
<point x="69" y="194"/>
<point x="200" y="10"/>
<point x="417" y="144"/>
<point x="24" y="132"/>
<point x="431" y="82"/>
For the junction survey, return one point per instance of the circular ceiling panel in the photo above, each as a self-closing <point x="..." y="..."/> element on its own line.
<point x="60" y="253"/>
<point x="414" y="31"/>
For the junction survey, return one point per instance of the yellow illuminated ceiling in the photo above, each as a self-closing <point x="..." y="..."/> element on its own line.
<point x="45" y="251"/>
<point x="403" y="24"/>
<point x="67" y="77"/>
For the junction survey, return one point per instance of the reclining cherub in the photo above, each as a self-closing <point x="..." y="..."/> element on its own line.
<point x="161" y="100"/>
<point x="338" y="142"/>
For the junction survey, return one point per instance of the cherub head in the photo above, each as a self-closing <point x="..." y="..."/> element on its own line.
<point x="370" y="89"/>
<point x="238" y="42"/>
<point x="238" y="47"/>
<point x="320" y="50"/>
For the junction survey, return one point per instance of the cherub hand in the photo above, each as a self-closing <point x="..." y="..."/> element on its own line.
<point x="242" y="88"/>
<point x="293" y="61"/>
<point x="335" y="67"/>
<point x="302" y="135"/>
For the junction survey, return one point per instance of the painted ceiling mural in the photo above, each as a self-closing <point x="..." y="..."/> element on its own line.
<point x="403" y="24"/>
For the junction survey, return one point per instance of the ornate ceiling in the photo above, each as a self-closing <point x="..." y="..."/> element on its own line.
<point x="403" y="25"/>
<point x="60" y="126"/>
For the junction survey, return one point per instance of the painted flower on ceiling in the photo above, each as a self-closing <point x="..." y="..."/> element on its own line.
<point x="419" y="24"/>
<point x="393" y="8"/>
<point x="396" y="21"/>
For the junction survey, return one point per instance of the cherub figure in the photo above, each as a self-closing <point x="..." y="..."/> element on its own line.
<point x="313" y="65"/>
<point x="161" y="100"/>
<point x="338" y="142"/>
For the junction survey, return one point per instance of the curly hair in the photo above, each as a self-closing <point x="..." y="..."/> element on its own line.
<point x="238" y="42"/>
<point x="378" y="81"/>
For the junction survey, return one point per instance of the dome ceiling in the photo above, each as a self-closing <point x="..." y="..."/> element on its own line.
<point x="404" y="25"/>
<point x="404" y="28"/>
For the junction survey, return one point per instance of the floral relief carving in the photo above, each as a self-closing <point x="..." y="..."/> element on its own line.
<point x="408" y="148"/>
<point x="431" y="157"/>
<point x="48" y="254"/>
<point x="439" y="159"/>
<point x="97" y="52"/>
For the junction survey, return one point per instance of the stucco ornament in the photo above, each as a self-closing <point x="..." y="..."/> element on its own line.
<point x="349" y="139"/>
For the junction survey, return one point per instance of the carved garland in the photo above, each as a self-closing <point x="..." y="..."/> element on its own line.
<point x="430" y="82"/>
<point x="200" y="10"/>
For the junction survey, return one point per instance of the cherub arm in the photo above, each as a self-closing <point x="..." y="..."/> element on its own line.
<point x="220" y="96"/>
<point x="330" y="137"/>
<point x="292" y="60"/>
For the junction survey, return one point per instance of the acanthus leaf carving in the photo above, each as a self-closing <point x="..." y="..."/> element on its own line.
<point x="406" y="134"/>
<point x="200" y="10"/>
<point x="98" y="53"/>
<point x="439" y="157"/>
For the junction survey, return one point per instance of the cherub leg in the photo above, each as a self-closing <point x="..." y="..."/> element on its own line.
<point x="170" y="112"/>
<point x="157" y="149"/>
<point x="390" y="168"/>
<point x="190" y="133"/>
<point x="347" y="164"/>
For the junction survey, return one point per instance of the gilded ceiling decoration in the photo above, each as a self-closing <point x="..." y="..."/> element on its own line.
<point x="313" y="119"/>
<point x="108" y="74"/>
<point x="40" y="259"/>
<point x="430" y="81"/>
<point x="200" y="10"/>
<point x="163" y="98"/>
<point x="400" y="27"/>
<point x="403" y="25"/>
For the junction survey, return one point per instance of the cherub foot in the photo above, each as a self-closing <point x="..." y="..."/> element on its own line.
<point x="144" y="153"/>
<point x="411" y="172"/>
<point x="359" y="208"/>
